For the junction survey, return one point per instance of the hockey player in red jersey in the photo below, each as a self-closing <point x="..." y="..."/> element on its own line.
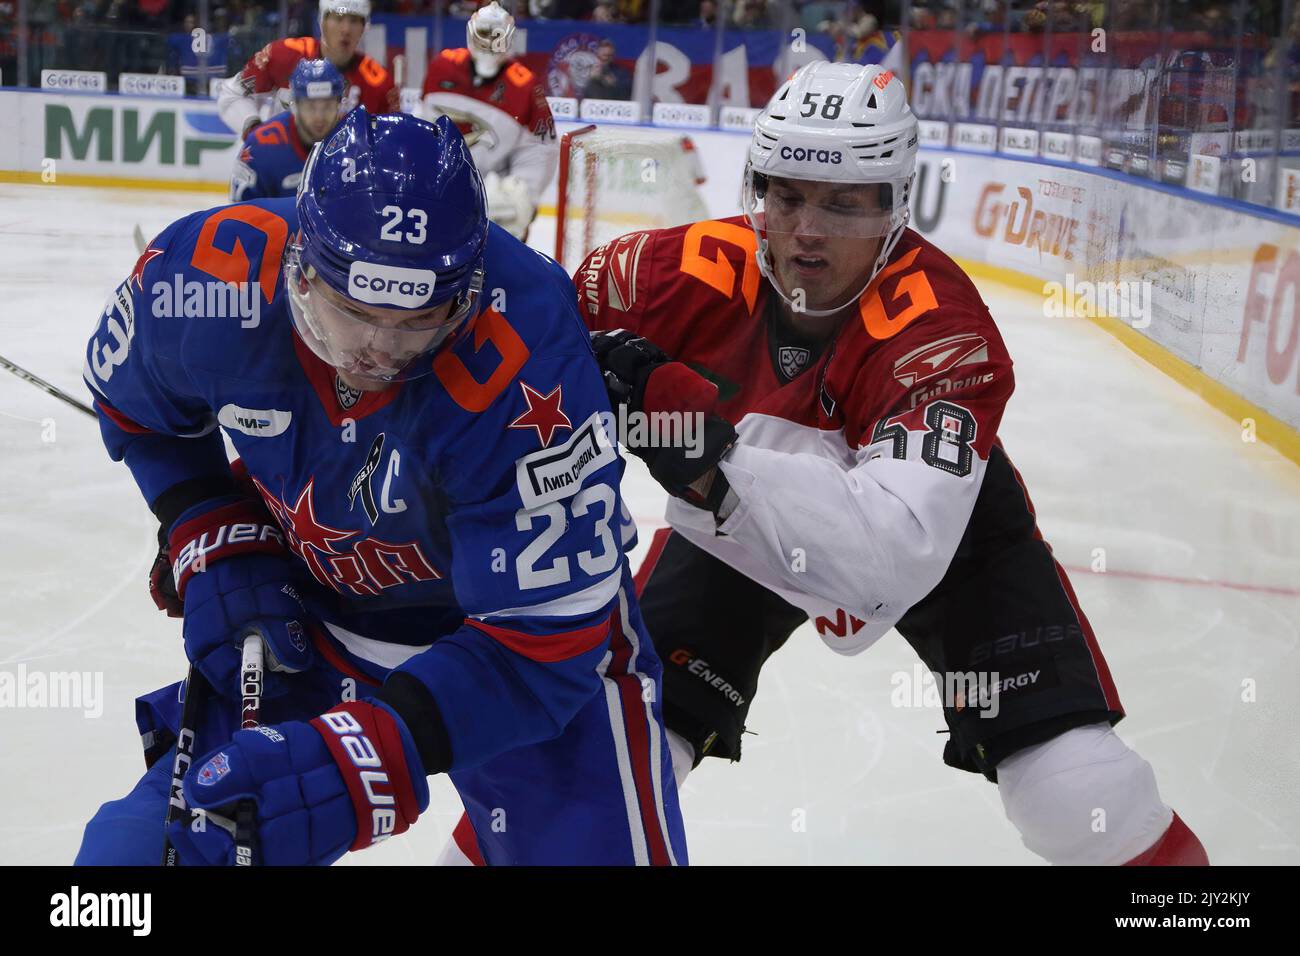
<point x="342" y="23"/>
<point x="863" y="485"/>
<point x="500" y="107"/>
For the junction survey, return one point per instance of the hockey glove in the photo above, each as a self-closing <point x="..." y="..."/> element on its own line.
<point x="232" y="572"/>
<point x="642" y="378"/>
<point x="348" y="780"/>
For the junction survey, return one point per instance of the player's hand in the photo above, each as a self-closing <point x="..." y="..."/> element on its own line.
<point x="232" y="596"/>
<point x="641" y="377"/>
<point x="162" y="585"/>
<point x="232" y="573"/>
<point x="347" y="780"/>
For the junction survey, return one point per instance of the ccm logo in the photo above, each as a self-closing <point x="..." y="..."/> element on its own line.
<point x="801" y="155"/>
<point x="390" y="285"/>
<point x="362" y="753"/>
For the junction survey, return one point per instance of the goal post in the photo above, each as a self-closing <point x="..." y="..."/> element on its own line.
<point x="614" y="180"/>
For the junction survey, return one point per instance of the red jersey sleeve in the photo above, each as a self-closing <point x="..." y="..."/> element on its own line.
<point x="271" y="67"/>
<point x="379" y="94"/>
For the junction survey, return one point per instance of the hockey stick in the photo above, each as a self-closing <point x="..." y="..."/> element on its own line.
<point x="197" y="692"/>
<point x="250" y="684"/>
<point x="140" y="242"/>
<point x="45" y="386"/>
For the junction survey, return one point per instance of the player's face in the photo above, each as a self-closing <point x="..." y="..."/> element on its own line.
<point x="823" y="238"/>
<point x="341" y="36"/>
<point x="369" y="345"/>
<point x="315" y="118"/>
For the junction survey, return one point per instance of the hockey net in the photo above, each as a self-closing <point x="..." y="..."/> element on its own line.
<point x="614" y="180"/>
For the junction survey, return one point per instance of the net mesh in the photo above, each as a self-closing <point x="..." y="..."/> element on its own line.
<point x="617" y="181"/>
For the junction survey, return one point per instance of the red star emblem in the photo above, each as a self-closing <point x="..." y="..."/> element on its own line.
<point x="544" y="413"/>
<point x="138" y="272"/>
<point x="300" y="521"/>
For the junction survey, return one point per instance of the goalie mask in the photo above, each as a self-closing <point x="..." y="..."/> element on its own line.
<point x="490" y="34"/>
<point x="828" y="182"/>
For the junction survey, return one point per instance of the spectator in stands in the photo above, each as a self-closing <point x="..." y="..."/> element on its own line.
<point x="1134" y="15"/>
<point x="813" y="13"/>
<point x="608" y="80"/>
<point x="851" y="37"/>
<point x="559" y="9"/>
<point x="695" y="13"/>
<point x="1217" y="19"/>
<point x="751" y="15"/>
<point x="605" y="11"/>
<point x="1063" y="16"/>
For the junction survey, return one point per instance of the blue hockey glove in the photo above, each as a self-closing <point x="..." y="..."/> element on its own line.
<point x="234" y="574"/>
<point x="348" y="780"/>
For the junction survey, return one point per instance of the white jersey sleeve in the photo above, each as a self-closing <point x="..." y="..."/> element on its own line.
<point x="238" y="110"/>
<point x="827" y="530"/>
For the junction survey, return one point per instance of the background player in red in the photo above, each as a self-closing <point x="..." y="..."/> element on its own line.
<point x="342" y="24"/>
<point x="500" y="107"/>
<point x="863" y="486"/>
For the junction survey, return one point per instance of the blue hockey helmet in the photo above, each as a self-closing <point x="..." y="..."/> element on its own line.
<point x="316" y="80"/>
<point x="388" y="261"/>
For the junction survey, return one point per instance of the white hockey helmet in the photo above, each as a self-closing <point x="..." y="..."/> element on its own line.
<point x="836" y="123"/>
<point x="490" y="34"/>
<point x="346" y="8"/>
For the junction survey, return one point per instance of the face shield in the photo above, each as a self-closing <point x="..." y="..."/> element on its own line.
<point x="820" y="243"/>
<point x="380" y="345"/>
<point x="796" y="207"/>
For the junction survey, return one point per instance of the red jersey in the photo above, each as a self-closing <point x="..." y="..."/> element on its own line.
<point x="516" y="91"/>
<point x="505" y="120"/>
<point x="865" y="454"/>
<point x="369" y="84"/>
<point x="697" y="293"/>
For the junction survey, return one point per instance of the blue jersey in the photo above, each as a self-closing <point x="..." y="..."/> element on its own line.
<point x="270" y="164"/>
<point x="468" y="522"/>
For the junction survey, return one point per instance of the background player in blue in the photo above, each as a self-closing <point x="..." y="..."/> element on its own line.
<point x="427" y="525"/>
<point x="270" y="164"/>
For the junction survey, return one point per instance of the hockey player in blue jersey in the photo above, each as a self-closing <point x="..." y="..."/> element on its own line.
<point x="270" y="163"/>
<point x="425" y="523"/>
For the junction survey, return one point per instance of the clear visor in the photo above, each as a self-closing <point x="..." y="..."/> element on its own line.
<point x="368" y="342"/>
<point x="802" y="207"/>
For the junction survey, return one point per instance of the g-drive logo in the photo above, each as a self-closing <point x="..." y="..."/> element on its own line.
<point x="390" y="285"/>
<point x="801" y="155"/>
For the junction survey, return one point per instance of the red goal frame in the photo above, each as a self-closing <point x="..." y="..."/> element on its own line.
<point x="562" y="188"/>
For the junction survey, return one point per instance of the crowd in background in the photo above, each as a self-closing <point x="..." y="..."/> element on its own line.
<point x="154" y="36"/>
<point x="159" y="36"/>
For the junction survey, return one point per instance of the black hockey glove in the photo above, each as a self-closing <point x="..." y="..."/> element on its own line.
<point x="670" y="402"/>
